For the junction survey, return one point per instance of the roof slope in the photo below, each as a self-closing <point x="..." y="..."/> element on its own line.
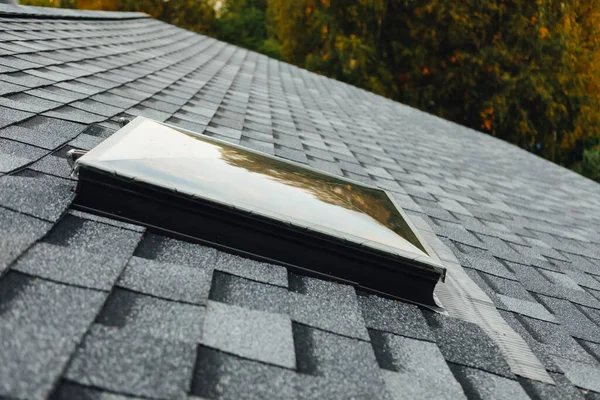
<point x="91" y="306"/>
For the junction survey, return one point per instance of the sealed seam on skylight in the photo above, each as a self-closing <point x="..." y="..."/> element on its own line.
<point x="255" y="204"/>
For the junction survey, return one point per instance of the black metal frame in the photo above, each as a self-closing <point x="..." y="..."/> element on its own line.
<point x="256" y="236"/>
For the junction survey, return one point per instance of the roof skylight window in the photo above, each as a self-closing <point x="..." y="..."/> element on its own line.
<point x="205" y="190"/>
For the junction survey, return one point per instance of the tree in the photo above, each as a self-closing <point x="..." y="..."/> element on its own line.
<point x="525" y="71"/>
<point x="243" y="22"/>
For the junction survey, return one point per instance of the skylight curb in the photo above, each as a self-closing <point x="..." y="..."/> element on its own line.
<point x="171" y="195"/>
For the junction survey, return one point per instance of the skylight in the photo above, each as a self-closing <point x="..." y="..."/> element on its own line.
<point x="206" y="190"/>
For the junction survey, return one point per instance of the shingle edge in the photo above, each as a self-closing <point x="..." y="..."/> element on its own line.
<point x="7" y="10"/>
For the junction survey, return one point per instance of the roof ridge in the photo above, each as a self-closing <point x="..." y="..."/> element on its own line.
<point x="9" y="10"/>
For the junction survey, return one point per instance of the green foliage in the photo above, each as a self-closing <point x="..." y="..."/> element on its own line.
<point x="244" y="23"/>
<point x="591" y="164"/>
<point x="526" y="71"/>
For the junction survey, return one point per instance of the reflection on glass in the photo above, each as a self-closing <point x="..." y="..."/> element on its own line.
<point x="191" y="164"/>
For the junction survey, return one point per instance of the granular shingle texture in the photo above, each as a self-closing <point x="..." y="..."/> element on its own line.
<point x="41" y="323"/>
<point x="92" y="307"/>
<point x="155" y="367"/>
<point x="467" y="344"/>
<point x="170" y="281"/>
<point x="419" y="370"/>
<point x="483" y="385"/>
<point x="258" y="335"/>
<point x="37" y="194"/>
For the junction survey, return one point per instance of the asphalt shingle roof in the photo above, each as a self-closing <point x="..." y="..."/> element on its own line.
<point x="95" y="308"/>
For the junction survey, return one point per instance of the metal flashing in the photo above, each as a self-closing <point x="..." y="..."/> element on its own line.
<point x="462" y="298"/>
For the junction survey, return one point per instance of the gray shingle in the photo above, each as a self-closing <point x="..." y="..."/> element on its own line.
<point x="467" y="344"/>
<point x="26" y="102"/>
<point x="56" y="94"/>
<point x="500" y="249"/>
<point x="421" y="371"/>
<point x="36" y="59"/>
<point x="562" y="390"/>
<point x="7" y="87"/>
<point x="483" y="261"/>
<point x="322" y="289"/>
<point x="186" y="116"/>
<point x="394" y="317"/>
<point x="508" y="287"/>
<point x="97" y="108"/>
<point x="142" y="315"/>
<point x="573" y="319"/>
<point x="223" y="376"/>
<point x="93" y="237"/>
<point x="16" y="62"/>
<point x="37" y="194"/>
<point x="163" y="249"/>
<point x="291" y="154"/>
<point x="47" y="73"/>
<point x="9" y="116"/>
<point x="53" y="126"/>
<point x="18" y="232"/>
<point x="585" y="376"/>
<point x="103" y="130"/>
<point x="191" y="126"/>
<point x="349" y="365"/>
<point x="107" y="221"/>
<point x="584" y="279"/>
<point x="562" y="279"/>
<point x="35" y="137"/>
<point x="169" y="281"/>
<point x="584" y="264"/>
<point x="53" y="165"/>
<point x="485" y="386"/>
<point x="329" y="167"/>
<point x="339" y="317"/>
<point x="24" y="79"/>
<point x="161" y="105"/>
<point x="152" y="367"/>
<point x="115" y="100"/>
<point x="71" y="265"/>
<point x="256" y="335"/>
<point x="40" y="324"/>
<point x="457" y="233"/>
<point x="528" y="308"/>
<point x="85" y="141"/>
<point x="14" y="155"/>
<point x="245" y="293"/>
<point x="592" y="348"/>
<point x="74" y="114"/>
<point x="149" y="113"/>
<point x="79" y="86"/>
<point x="258" y="145"/>
<point x="555" y="340"/>
<point x="251" y="269"/>
<point x="68" y="391"/>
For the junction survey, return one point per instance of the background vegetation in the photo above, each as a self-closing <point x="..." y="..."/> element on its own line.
<point x="527" y="71"/>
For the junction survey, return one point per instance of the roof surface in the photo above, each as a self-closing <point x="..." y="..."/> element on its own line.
<point x="94" y="308"/>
